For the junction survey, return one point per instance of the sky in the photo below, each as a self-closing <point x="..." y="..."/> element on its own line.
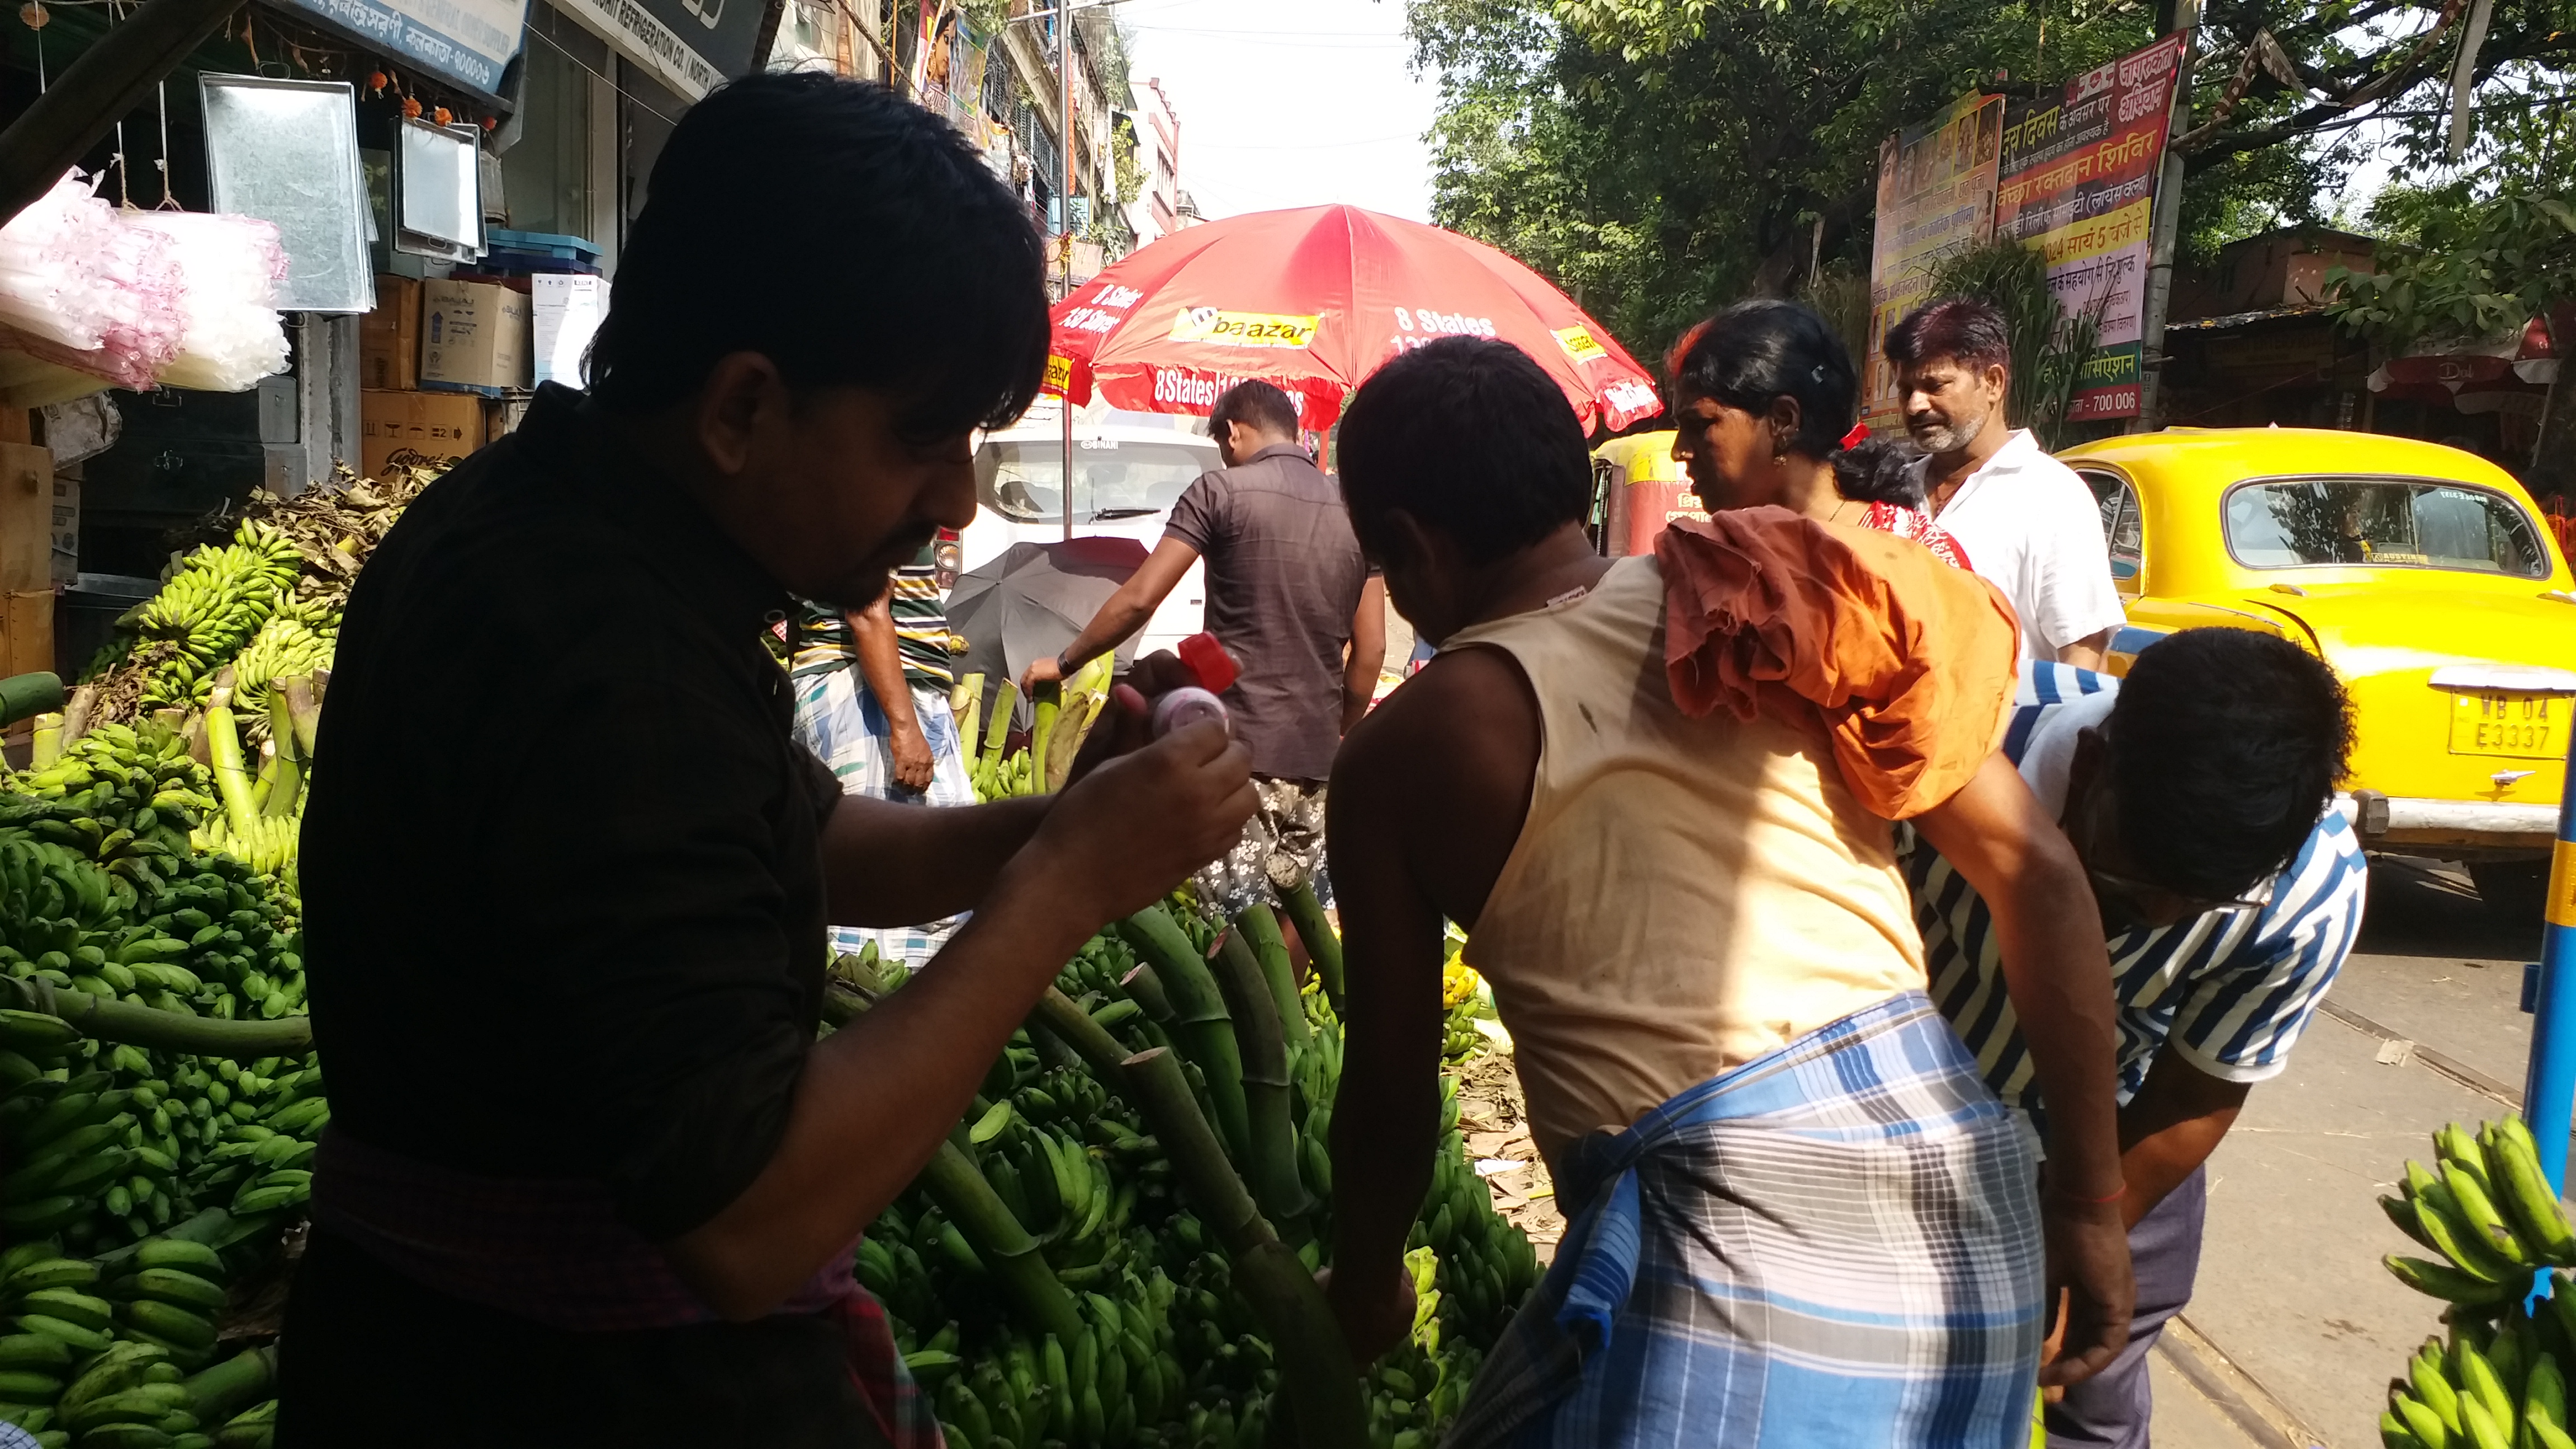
<point x="1289" y="105"/>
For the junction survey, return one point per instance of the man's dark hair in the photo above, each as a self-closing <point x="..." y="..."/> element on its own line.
<point x="1764" y="349"/>
<point x="1255" y="404"/>
<point x="2225" y="746"/>
<point x="1880" y="470"/>
<point x="843" y="232"/>
<point x="1970" y="333"/>
<point x="1473" y="439"/>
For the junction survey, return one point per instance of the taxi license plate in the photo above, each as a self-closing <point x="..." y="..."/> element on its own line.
<point x="2495" y="722"/>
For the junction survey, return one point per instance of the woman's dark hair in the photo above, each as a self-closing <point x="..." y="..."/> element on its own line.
<point x="1762" y="349"/>
<point x="1257" y="404"/>
<point x="1880" y="470"/>
<point x="1472" y="438"/>
<point x="846" y="234"/>
<point x="2225" y="746"/>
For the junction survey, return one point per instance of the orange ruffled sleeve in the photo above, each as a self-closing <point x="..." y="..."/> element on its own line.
<point x="1908" y="663"/>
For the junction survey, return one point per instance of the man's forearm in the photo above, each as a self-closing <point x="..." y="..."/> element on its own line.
<point x="887" y="864"/>
<point x="878" y="1097"/>
<point x="881" y="663"/>
<point x="2170" y="1127"/>
<point x="1356" y="697"/>
<point x="2063" y="998"/>
<point x="1384" y="1130"/>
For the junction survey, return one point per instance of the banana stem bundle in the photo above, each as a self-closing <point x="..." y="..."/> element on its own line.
<point x="1261" y="931"/>
<point x="286" y="789"/>
<point x="998" y="731"/>
<point x="303" y="712"/>
<point x="1200" y="1023"/>
<point x="1046" y="705"/>
<point x="1323" y="946"/>
<point x="1008" y="1252"/>
<point x="1065" y="1018"/>
<point x="146" y="1026"/>
<point x="1317" y="1377"/>
<point x="1272" y="1158"/>
<point x="966" y="702"/>
<point x="232" y="780"/>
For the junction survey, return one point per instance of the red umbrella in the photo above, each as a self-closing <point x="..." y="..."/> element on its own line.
<point x="1313" y="300"/>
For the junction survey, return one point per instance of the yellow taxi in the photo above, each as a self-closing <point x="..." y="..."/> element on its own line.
<point x="2423" y="574"/>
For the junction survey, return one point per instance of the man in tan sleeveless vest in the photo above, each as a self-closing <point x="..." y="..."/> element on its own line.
<point x="1799" y="1217"/>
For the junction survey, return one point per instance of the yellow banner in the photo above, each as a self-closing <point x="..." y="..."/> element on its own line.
<point x="1059" y="374"/>
<point x="1578" y="344"/>
<point x="2561" y="910"/>
<point x="1243" y="329"/>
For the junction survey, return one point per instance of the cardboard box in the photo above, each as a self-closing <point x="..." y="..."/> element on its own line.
<point x="389" y="337"/>
<point x="402" y="425"/>
<point x="565" y="308"/>
<point x="473" y="337"/>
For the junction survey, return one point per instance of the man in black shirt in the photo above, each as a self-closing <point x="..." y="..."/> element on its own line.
<point x="566" y="875"/>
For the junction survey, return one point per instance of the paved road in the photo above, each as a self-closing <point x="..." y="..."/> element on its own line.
<point x="2296" y="1321"/>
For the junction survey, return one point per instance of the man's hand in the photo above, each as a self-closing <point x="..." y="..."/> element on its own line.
<point x="2088" y="1257"/>
<point x="1049" y="670"/>
<point x="913" y="762"/>
<point x="1375" y="1310"/>
<point x="1133" y="824"/>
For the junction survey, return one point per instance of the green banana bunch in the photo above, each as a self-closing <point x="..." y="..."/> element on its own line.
<point x="2487" y="1209"/>
<point x="2482" y="1390"/>
<point x="214" y="602"/>
<point x="297" y="640"/>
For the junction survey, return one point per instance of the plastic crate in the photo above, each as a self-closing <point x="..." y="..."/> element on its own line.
<point x="523" y="252"/>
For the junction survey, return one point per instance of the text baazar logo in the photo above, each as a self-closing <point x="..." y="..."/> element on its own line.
<point x="1059" y="372"/>
<point x="1578" y="344"/>
<point x="1243" y="329"/>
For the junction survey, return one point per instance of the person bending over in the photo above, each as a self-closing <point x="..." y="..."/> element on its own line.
<point x="2198" y="793"/>
<point x="1799" y="1217"/>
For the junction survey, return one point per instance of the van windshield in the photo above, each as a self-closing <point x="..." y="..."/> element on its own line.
<point x="1112" y="478"/>
<point x="2401" y="522"/>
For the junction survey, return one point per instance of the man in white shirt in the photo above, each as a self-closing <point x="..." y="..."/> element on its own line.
<point x="2026" y="521"/>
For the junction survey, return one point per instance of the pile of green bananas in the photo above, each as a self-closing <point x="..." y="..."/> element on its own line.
<point x="215" y="601"/>
<point x="2487" y="1209"/>
<point x="1169" y="1352"/>
<point x="100" y="1353"/>
<point x="2499" y="1389"/>
<point x="1004" y="777"/>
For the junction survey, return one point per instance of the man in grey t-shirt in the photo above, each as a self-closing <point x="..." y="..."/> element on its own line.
<point x="1289" y="597"/>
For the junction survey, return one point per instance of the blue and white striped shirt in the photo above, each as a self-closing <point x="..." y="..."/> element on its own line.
<point x="2230" y="990"/>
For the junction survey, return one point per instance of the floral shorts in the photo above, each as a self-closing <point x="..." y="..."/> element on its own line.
<point x="1281" y="848"/>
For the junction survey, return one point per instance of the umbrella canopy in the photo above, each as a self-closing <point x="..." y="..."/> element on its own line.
<point x="1031" y="600"/>
<point x="1314" y="299"/>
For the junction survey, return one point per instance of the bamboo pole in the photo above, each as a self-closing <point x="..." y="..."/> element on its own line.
<point x="1271" y="1162"/>
<point x="1323" y="946"/>
<point x="1261" y="931"/>
<point x="1200" y="1023"/>
<point x="1008" y="1252"/>
<point x="1317" y="1378"/>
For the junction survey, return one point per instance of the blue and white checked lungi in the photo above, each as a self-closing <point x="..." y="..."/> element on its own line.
<point x="842" y="723"/>
<point x="1834" y="1244"/>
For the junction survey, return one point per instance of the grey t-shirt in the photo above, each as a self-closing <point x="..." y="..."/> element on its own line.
<point x="1283" y="579"/>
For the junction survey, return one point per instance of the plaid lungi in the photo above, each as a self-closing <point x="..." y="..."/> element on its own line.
<point x="839" y="719"/>
<point x="1837" y="1243"/>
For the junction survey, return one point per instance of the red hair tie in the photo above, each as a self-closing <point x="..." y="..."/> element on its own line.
<point x="1858" y="435"/>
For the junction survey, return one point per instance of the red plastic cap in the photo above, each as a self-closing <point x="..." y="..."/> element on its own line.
<point x="1208" y="660"/>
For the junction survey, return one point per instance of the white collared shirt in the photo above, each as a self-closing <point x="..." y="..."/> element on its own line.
<point x="2031" y="527"/>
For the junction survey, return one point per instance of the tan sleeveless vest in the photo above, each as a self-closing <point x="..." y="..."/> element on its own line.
<point x="1687" y="894"/>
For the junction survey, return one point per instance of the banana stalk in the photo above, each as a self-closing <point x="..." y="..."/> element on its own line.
<point x="966" y="701"/>
<point x="286" y="792"/>
<point x="1272" y="1160"/>
<point x="1323" y="947"/>
<point x="265" y="783"/>
<point x="1062" y="1017"/>
<point x="46" y="742"/>
<point x="1200" y="1022"/>
<point x="218" y="1393"/>
<point x="998" y="732"/>
<point x="1147" y="988"/>
<point x="1008" y="1252"/>
<point x="1047" y="703"/>
<point x="1317" y="1378"/>
<point x="232" y="780"/>
<point x="149" y="1026"/>
<point x="76" y="714"/>
<point x="304" y="711"/>
<point x="1261" y="931"/>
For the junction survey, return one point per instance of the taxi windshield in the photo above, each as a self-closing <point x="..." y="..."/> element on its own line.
<point x="2382" y="522"/>
<point x="1112" y="478"/>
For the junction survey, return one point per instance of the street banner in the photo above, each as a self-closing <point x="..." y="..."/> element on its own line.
<point x="688" y="46"/>
<point x="466" y="43"/>
<point x="2079" y="183"/>
<point x="1936" y="196"/>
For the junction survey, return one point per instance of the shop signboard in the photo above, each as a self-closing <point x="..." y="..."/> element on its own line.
<point x="689" y="46"/>
<point x="465" y="42"/>
<point x="2079" y="183"/>
<point x="1936" y="196"/>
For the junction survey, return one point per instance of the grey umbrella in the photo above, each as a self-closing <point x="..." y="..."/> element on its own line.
<point x="1032" y="600"/>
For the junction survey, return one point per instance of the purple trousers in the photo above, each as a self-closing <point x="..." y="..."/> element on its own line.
<point x="2110" y="1410"/>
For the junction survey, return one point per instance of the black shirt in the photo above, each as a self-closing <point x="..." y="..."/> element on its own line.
<point x="565" y="913"/>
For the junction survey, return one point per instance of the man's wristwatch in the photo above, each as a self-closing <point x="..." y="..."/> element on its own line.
<point x="1063" y="668"/>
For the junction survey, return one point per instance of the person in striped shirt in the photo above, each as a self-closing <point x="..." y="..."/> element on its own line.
<point x="2198" y="792"/>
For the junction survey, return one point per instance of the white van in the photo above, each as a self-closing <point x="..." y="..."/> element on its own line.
<point x="1128" y="471"/>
